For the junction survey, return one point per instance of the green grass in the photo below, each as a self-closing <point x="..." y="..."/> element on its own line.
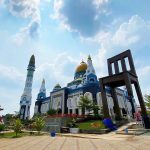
<point x="91" y="125"/>
<point x="13" y="135"/>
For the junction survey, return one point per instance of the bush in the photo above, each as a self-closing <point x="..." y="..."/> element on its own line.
<point x="51" y="112"/>
<point x="72" y="124"/>
<point x="2" y="127"/>
<point x="39" y="124"/>
<point x="17" y="126"/>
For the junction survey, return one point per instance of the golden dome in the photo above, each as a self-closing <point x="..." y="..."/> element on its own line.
<point x="81" y="67"/>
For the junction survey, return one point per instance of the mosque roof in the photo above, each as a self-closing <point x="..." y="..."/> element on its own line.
<point x="81" y="67"/>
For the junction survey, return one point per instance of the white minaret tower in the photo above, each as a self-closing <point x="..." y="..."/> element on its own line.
<point x="25" y="101"/>
<point x="90" y="69"/>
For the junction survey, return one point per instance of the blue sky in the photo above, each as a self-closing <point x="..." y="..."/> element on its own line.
<point x="63" y="32"/>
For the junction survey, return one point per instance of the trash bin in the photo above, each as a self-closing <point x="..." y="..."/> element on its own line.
<point x="109" y="124"/>
<point x="53" y="134"/>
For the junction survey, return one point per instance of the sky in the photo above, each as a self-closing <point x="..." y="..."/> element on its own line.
<point x="60" y="33"/>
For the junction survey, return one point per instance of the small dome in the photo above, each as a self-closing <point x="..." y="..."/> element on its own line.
<point x="57" y="87"/>
<point x="81" y="67"/>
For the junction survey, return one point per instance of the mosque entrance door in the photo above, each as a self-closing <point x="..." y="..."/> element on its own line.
<point x="59" y="111"/>
<point x="77" y="111"/>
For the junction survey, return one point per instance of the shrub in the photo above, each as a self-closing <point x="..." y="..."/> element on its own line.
<point x="72" y="124"/>
<point x="51" y="112"/>
<point x="2" y="127"/>
<point x="17" y="126"/>
<point x="39" y="124"/>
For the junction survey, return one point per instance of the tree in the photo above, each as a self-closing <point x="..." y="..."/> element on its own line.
<point x="1" y="108"/>
<point x="39" y="124"/>
<point x="17" y="126"/>
<point x="95" y="108"/>
<point x="2" y="127"/>
<point x="147" y="101"/>
<point x="85" y="103"/>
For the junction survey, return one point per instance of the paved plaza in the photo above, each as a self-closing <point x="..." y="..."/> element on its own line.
<point x="91" y="142"/>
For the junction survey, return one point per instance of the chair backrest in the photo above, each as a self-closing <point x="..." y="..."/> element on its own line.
<point x="120" y="58"/>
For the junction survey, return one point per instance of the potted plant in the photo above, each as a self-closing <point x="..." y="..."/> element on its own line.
<point x="73" y="126"/>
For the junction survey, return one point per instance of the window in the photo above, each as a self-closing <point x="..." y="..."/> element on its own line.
<point x="92" y="80"/>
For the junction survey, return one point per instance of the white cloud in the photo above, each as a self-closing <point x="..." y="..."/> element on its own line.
<point x="143" y="74"/>
<point x="1" y="2"/>
<point x="24" y="8"/>
<point x="27" y="9"/>
<point x="132" y="31"/>
<point x="60" y="71"/>
<point x="83" y="17"/>
<point x="133" y="34"/>
<point x="10" y="73"/>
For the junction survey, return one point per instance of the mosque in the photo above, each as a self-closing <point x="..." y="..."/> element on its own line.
<point x="85" y="82"/>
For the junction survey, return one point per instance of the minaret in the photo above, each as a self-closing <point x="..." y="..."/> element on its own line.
<point x="42" y="91"/>
<point x="25" y="101"/>
<point x="90" y="69"/>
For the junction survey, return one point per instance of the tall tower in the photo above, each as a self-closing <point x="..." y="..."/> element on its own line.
<point x="90" y="69"/>
<point x="42" y="92"/>
<point x="25" y="101"/>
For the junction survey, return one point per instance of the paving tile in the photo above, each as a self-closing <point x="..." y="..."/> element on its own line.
<point x="102" y="142"/>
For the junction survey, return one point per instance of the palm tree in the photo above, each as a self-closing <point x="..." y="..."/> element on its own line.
<point x="17" y="126"/>
<point x="85" y="103"/>
<point x="39" y="124"/>
<point x="147" y="101"/>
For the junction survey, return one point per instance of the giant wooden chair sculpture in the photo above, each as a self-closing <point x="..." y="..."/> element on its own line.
<point x="122" y="77"/>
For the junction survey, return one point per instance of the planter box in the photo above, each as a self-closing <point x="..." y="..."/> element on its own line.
<point x="74" y="130"/>
<point x="101" y="131"/>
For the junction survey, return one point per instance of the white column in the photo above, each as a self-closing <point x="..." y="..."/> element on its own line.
<point x="68" y="111"/>
<point x="80" y="111"/>
<point x="73" y="111"/>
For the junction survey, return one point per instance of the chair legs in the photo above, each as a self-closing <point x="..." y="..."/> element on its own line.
<point x="116" y="104"/>
<point x="130" y="92"/>
<point x="104" y="101"/>
<point x="142" y="105"/>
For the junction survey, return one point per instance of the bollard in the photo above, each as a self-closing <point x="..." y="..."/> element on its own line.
<point x="126" y="130"/>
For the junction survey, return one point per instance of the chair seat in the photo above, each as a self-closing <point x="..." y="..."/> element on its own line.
<point x="117" y="80"/>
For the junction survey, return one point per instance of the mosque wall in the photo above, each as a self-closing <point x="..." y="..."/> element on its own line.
<point x="57" y="100"/>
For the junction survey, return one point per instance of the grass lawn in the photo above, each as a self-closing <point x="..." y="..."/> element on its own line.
<point x="13" y="134"/>
<point x="91" y="125"/>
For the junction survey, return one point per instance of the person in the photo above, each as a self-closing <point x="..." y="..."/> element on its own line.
<point x="1" y="120"/>
<point x="137" y="116"/>
<point x="138" y="119"/>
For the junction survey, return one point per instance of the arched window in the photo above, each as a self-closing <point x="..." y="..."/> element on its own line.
<point x="69" y="103"/>
<point x="92" y="80"/>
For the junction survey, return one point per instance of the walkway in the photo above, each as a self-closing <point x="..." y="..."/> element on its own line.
<point x="102" y="142"/>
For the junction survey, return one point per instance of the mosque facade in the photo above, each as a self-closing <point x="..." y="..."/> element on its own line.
<point x="85" y="83"/>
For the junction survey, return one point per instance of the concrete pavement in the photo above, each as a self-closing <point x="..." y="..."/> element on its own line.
<point x="101" y="142"/>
